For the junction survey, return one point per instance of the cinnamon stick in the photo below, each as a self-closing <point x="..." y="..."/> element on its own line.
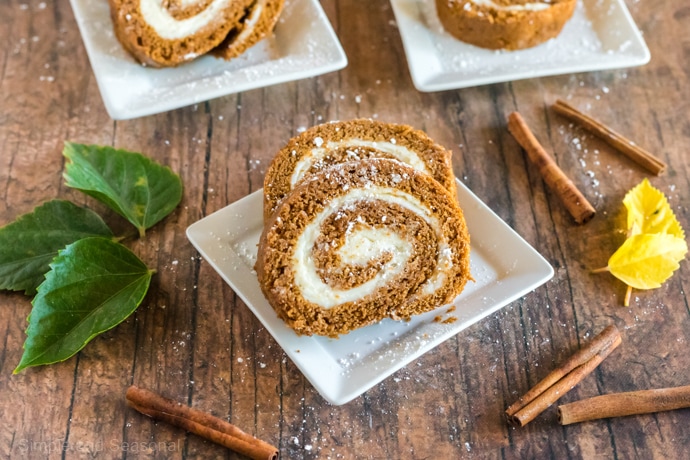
<point x="564" y="378"/>
<point x="611" y="137"/>
<point x="574" y="201"/>
<point x="199" y="423"/>
<point x="623" y="404"/>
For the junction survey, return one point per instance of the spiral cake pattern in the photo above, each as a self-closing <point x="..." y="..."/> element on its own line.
<point x="361" y="241"/>
<point x="163" y="33"/>
<point x="331" y="143"/>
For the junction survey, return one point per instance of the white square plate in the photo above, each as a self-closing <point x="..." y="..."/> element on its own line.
<point x="303" y="45"/>
<point x="504" y="266"/>
<point x="600" y="35"/>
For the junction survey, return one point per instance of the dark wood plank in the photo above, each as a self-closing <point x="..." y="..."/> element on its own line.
<point x="194" y="340"/>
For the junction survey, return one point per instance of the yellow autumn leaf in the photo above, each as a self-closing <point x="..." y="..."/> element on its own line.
<point x="645" y="261"/>
<point x="649" y="212"/>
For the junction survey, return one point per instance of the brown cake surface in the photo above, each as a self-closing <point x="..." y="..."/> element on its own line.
<point x="257" y="24"/>
<point x="504" y="24"/>
<point x="330" y="143"/>
<point x="361" y="241"/>
<point x="169" y="33"/>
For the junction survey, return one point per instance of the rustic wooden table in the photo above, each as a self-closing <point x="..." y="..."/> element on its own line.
<point x="193" y="340"/>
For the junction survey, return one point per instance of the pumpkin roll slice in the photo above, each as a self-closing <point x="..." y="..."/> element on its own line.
<point x="361" y="241"/>
<point x="504" y="24"/>
<point x="337" y="142"/>
<point x="163" y="33"/>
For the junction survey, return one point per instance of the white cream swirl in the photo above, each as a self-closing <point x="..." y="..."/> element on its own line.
<point x="167" y="26"/>
<point x="363" y="244"/>
<point x="317" y="154"/>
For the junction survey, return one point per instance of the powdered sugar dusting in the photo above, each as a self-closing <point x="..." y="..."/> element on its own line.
<point x="577" y="38"/>
<point x="600" y="35"/>
<point x="341" y="369"/>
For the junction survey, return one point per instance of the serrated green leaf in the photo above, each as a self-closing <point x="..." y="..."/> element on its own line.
<point x="134" y="186"/>
<point x="646" y="261"/>
<point x="94" y="284"/>
<point x="28" y="244"/>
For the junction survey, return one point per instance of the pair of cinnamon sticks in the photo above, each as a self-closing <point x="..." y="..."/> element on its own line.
<point x="574" y="201"/>
<point x="576" y="368"/>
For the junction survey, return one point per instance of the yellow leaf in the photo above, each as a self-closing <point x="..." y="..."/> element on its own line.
<point x="649" y="212"/>
<point x="647" y="260"/>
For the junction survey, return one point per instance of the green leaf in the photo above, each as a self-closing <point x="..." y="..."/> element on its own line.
<point x="137" y="188"/>
<point x="93" y="285"/>
<point x="28" y="244"/>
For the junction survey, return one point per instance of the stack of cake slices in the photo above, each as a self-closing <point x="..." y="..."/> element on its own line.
<point x="164" y="33"/>
<point x="361" y="223"/>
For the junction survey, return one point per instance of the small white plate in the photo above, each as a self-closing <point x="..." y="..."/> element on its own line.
<point x="503" y="265"/>
<point x="600" y="35"/>
<point x="303" y="45"/>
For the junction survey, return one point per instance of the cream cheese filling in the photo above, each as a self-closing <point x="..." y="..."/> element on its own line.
<point x="537" y="6"/>
<point x="166" y="26"/>
<point x="362" y="243"/>
<point x="401" y="153"/>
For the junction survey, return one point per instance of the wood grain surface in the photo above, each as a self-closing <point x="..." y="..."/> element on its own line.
<point x="195" y="341"/>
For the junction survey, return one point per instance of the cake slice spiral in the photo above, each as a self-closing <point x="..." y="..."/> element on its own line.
<point x="337" y="142"/>
<point x="164" y="33"/>
<point x="361" y="241"/>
